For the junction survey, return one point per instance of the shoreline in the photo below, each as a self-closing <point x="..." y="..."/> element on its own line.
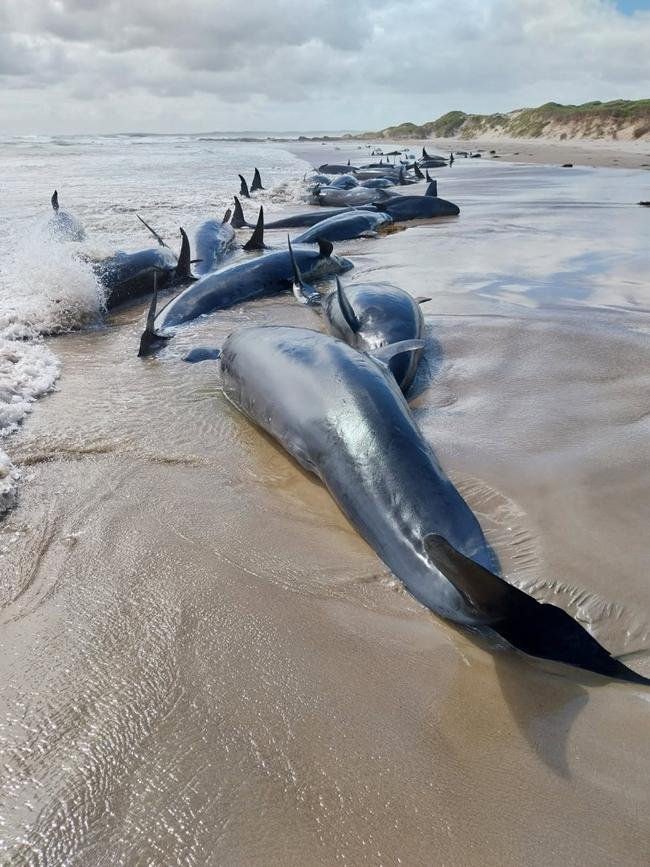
<point x="596" y="153"/>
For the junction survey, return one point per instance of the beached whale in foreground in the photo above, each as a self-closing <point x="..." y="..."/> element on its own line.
<point x="253" y="278"/>
<point x="63" y="225"/>
<point x="340" y="414"/>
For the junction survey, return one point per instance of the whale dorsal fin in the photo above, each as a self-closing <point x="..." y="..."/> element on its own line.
<point x="421" y="299"/>
<point x="303" y="292"/>
<point x="256" y="241"/>
<point x="346" y="308"/>
<point x="425" y="155"/>
<point x="325" y="248"/>
<point x="432" y="189"/>
<point x="238" y="220"/>
<point x="417" y="172"/>
<point x="385" y="353"/>
<point x="243" y="190"/>
<point x="227" y="216"/>
<point x="257" y="181"/>
<point x="55" y="200"/>
<point x="536" y="628"/>
<point x="184" y="264"/>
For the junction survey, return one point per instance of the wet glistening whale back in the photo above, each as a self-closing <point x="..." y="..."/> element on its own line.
<point x="340" y="414"/>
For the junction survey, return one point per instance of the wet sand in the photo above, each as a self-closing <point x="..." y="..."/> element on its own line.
<point x="204" y="664"/>
<point x="587" y="152"/>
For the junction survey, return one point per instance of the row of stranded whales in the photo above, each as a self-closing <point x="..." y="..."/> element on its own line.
<point x="335" y="402"/>
<point x="328" y="404"/>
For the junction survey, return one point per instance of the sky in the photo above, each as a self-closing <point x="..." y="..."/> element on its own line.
<point x="102" y="66"/>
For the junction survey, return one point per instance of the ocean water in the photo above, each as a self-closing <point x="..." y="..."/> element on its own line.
<point x="201" y="661"/>
<point x="47" y="286"/>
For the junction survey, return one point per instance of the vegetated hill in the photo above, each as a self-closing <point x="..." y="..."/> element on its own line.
<point x="621" y="119"/>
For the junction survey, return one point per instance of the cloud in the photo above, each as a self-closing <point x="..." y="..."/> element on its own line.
<point x="187" y="65"/>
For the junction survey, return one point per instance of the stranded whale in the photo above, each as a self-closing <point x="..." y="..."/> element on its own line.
<point x="340" y="414"/>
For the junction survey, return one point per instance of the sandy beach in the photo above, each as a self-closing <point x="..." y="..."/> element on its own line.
<point x="603" y="153"/>
<point x="203" y="663"/>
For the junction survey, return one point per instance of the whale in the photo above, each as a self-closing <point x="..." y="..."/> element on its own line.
<point x="343" y="182"/>
<point x="340" y="414"/>
<point x="126" y="276"/>
<point x="404" y="208"/>
<point x="63" y="225"/>
<point x="343" y="227"/>
<point x="260" y="276"/>
<point x="243" y="188"/>
<point x="213" y="242"/>
<point x="358" y="196"/>
<point x="368" y="316"/>
<point x="334" y="169"/>
<point x="295" y="221"/>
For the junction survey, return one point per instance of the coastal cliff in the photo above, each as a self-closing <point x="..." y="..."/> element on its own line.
<point x="620" y="120"/>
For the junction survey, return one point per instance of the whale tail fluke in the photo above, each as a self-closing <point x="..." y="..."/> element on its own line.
<point x="238" y="220"/>
<point x="150" y="339"/>
<point x="304" y="293"/>
<point x="55" y="200"/>
<point x="257" y="182"/>
<point x="535" y="628"/>
<point x="243" y="190"/>
<point x="256" y="241"/>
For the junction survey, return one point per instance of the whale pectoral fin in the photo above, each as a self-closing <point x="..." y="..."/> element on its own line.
<point x="153" y="231"/>
<point x="325" y="248"/>
<point x="421" y="299"/>
<point x="536" y="628"/>
<point x="346" y="308"/>
<point x="202" y="353"/>
<point x="385" y="353"/>
<point x="256" y="241"/>
<point x="303" y="292"/>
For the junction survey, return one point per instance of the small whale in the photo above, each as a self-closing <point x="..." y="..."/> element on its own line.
<point x="214" y="241"/>
<point x="369" y="316"/>
<point x="252" y="278"/>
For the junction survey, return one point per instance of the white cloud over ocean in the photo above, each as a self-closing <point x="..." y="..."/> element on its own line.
<point x="197" y="65"/>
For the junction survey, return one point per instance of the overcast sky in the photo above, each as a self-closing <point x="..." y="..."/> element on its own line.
<point x="77" y="66"/>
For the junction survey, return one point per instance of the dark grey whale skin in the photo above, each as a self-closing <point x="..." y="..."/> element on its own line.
<point x="243" y="281"/>
<point x="386" y="314"/>
<point x="341" y="415"/>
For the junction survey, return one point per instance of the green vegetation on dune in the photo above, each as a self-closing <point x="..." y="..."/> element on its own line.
<point x="589" y="120"/>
